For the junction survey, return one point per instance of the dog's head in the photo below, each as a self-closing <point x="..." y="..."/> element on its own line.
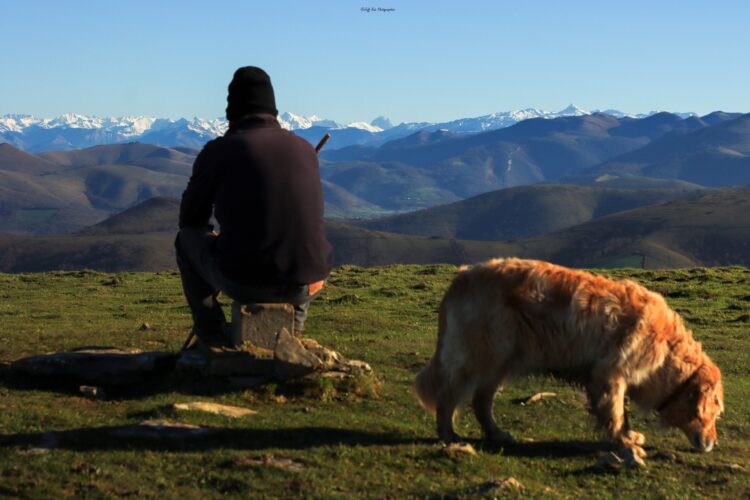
<point x="696" y="406"/>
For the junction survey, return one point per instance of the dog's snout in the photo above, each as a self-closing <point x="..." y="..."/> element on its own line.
<point x="703" y="443"/>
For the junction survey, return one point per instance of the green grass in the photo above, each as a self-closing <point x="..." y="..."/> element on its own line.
<point x="348" y="445"/>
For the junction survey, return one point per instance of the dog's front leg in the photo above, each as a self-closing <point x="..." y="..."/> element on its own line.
<point x="607" y="397"/>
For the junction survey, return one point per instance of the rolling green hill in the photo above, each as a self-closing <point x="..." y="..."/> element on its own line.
<point x="521" y="212"/>
<point x="391" y="186"/>
<point x="706" y="229"/>
<point x="341" y="204"/>
<point x="709" y="229"/>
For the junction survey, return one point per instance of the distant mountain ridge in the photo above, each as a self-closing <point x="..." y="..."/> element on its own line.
<point x="430" y="168"/>
<point x="702" y="230"/>
<point x="713" y="155"/>
<point x="63" y="190"/>
<point x="76" y="131"/>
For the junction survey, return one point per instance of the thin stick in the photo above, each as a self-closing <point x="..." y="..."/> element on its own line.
<point x="322" y="143"/>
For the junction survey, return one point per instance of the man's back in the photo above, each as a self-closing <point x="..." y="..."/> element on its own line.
<point x="268" y="202"/>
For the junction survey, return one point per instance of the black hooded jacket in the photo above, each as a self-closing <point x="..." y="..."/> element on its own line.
<point x="263" y="184"/>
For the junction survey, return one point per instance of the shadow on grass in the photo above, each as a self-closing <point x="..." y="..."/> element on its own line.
<point x="178" y="437"/>
<point x="160" y="435"/>
<point x="547" y="449"/>
<point x="162" y="382"/>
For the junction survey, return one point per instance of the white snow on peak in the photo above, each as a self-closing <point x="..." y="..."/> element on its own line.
<point x="16" y="123"/>
<point x="290" y="121"/>
<point x="364" y="126"/>
<point x="13" y="127"/>
<point x="503" y="119"/>
<point x="571" y="110"/>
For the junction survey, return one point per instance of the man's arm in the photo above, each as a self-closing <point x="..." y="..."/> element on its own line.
<point x="197" y="199"/>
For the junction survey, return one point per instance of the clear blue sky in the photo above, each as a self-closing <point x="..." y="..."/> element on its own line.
<point x="430" y="60"/>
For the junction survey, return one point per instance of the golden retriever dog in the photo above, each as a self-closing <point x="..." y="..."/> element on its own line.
<point x="511" y="317"/>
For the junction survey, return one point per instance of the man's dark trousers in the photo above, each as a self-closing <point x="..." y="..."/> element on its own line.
<point x="202" y="279"/>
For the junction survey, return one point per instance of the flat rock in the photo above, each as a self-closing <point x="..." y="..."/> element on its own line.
<point x="214" y="408"/>
<point x="498" y="486"/>
<point x="627" y="458"/>
<point x="291" y="358"/>
<point x="285" y="464"/>
<point x="632" y="459"/>
<point x="538" y="397"/>
<point x="248" y="360"/>
<point x="161" y="429"/>
<point x="458" y="450"/>
<point x="95" y="365"/>
<point x="611" y="459"/>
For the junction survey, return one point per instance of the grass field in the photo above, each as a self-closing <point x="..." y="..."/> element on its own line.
<point x="340" y="444"/>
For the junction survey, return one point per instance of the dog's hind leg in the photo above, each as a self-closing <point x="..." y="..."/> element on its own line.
<point x="481" y="403"/>
<point x="445" y="409"/>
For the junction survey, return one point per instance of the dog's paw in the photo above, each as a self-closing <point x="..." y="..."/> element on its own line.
<point x="636" y="438"/>
<point x="500" y="437"/>
<point x="633" y="457"/>
<point x="632" y="450"/>
<point x="449" y="437"/>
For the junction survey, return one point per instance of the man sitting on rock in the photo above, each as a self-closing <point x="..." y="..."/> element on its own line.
<point x="262" y="184"/>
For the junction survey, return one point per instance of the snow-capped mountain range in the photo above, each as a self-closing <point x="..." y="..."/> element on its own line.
<point x="73" y="131"/>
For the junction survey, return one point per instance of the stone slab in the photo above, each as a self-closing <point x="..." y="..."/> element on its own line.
<point x="260" y="324"/>
<point x="228" y="362"/>
<point x="291" y="358"/>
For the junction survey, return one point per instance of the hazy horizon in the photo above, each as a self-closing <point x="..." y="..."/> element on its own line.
<point x="407" y="60"/>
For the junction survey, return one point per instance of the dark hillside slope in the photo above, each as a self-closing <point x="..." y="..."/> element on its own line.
<point x="710" y="229"/>
<point x="363" y="247"/>
<point x="154" y="215"/>
<point x="520" y="212"/>
<point x="15" y="160"/>
<point x="155" y="251"/>
<point x="116" y="187"/>
<point x="340" y="203"/>
<point x="713" y="156"/>
<point x="152" y="157"/>
<point x="146" y="252"/>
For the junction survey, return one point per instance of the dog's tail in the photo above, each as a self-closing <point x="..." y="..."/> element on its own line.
<point x="427" y="383"/>
<point x="429" y="380"/>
